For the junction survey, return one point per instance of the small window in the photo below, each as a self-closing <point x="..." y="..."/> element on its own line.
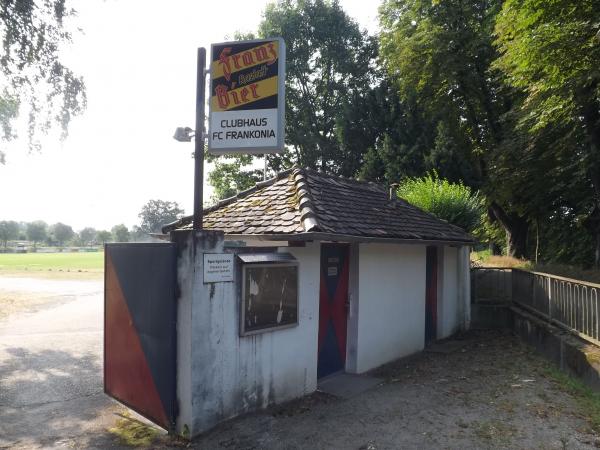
<point x="269" y="295"/>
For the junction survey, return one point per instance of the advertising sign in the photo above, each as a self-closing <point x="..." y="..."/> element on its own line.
<point x="246" y="106"/>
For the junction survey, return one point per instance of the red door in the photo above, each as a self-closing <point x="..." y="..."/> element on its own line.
<point x="431" y="294"/>
<point x="333" y="307"/>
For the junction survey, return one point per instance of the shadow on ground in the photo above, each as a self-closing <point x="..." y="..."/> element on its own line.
<point x="53" y="398"/>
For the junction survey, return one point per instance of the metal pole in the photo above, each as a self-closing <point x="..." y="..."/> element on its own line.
<point x="199" y="140"/>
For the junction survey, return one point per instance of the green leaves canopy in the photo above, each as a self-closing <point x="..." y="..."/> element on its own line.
<point x="32" y="34"/>
<point x="452" y="202"/>
<point x="329" y="66"/>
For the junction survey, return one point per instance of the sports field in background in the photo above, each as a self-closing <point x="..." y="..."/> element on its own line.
<point x="52" y="264"/>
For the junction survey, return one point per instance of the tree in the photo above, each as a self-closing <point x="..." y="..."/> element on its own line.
<point x="454" y="203"/>
<point x="157" y="213"/>
<point x="120" y="233"/>
<point x="61" y="233"/>
<point x="330" y="71"/>
<point x="229" y="178"/>
<point x="550" y="51"/>
<point x="440" y="53"/>
<point x="87" y="235"/>
<point x="136" y="234"/>
<point x="36" y="232"/>
<point x="104" y="236"/>
<point x="329" y="64"/>
<point x="9" y="230"/>
<point x="33" y="34"/>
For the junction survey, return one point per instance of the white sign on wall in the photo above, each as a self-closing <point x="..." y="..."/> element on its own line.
<point x="218" y="267"/>
<point x="246" y="106"/>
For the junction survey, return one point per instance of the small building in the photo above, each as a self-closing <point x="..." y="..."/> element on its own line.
<point x="303" y="276"/>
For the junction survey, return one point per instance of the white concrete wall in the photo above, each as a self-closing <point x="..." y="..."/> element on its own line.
<point x="448" y="310"/>
<point x="221" y="375"/>
<point x="454" y="291"/>
<point x="391" y="303"/>
<point x="229" y="374"/>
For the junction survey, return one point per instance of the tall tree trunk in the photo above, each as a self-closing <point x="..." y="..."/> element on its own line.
<point x="537" y="239"/>
<point x="516" y="228"/>
<point x="590" y="111"/>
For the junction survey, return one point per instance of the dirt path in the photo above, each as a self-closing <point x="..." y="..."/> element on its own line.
<point x="20" y="294"/>
<point x="489" y="392"/>
<point x="51" y="392"/>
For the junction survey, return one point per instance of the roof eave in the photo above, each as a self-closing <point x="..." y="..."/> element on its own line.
<point x="320" y="236"/>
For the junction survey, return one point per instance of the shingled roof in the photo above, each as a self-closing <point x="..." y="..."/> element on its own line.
<point x="306" y="203"/>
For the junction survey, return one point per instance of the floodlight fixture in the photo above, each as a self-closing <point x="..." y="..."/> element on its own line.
<point x="183" y="134"/>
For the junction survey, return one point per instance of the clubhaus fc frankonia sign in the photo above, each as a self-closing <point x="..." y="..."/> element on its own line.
<point x="246" y="107"/>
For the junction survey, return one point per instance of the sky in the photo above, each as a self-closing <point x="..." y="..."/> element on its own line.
<point x="138" y="59"/>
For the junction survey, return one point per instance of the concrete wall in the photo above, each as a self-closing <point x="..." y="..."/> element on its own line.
<point x="391" y="303"/>
<point x="221" y="374"/>
<point x="571" y="353"/>
<point x="448" y="310"/>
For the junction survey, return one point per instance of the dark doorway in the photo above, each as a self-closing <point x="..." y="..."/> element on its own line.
<point x="333" y="308"/>
<point x="431" y="294"/>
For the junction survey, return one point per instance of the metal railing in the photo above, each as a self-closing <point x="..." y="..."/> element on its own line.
<point x="567" y="303"/>
<point x="573" y="305"/>
<point x="491" y="285"/>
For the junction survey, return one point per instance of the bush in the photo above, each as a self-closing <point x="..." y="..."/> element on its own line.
<point x="454" y="203"/>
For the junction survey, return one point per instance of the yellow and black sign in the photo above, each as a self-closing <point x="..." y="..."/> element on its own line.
<point x="247" y="97"/>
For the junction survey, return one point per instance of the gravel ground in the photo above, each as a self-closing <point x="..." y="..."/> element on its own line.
<point x="479" y="391"/>
<point x="488" y="391"/>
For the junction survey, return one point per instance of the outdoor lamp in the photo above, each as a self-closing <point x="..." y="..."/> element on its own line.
<point x="183" y="134"/>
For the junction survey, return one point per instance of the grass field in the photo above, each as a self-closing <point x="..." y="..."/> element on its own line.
<point x="52" y="264"/>
<point x="484" y="259"/>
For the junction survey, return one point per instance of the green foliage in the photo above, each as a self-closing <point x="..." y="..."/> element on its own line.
<point x="9" y="230"/>
<point x="231" y="175"/>
<point x="36" y="232"/>
<point x="454" y="203"/>
<point x="103" y="236"/>
<point x="332" y="109"/>
<point x="329" y="68"/>
<point x="440" y="52"/>
<point x="157" y="213"/>
<point x="120" y="233"/>
<point x="439" y="55"/>
<point x="61" y="233"/>
<point x="137" y="235"/>
<point x="32" y="35"/>
<point x="510" y="94"/>
<point x="87" y="236"/>
<point x="550" y="51"/>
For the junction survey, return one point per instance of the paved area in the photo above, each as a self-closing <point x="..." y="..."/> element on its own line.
<point x="51" y="368"/>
